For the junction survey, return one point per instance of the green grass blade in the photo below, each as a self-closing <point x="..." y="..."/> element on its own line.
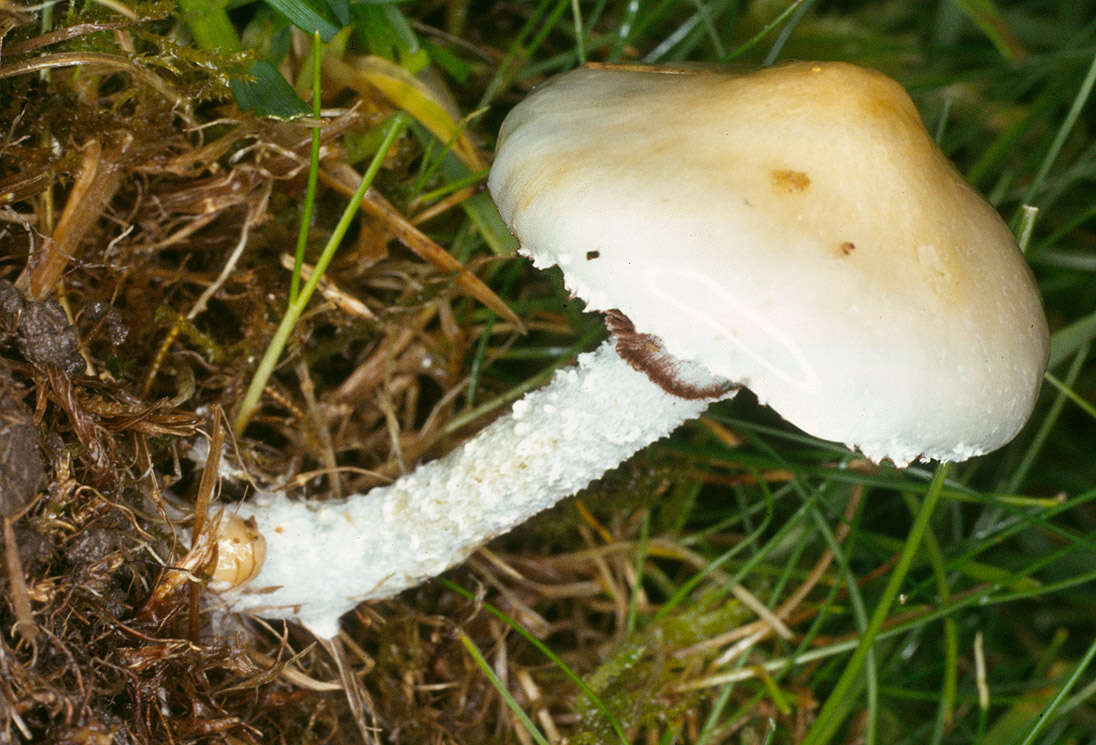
<point x="756" y="38"/>
<point x="294" y="311"/>
<point x="1065" y="342"/>
<point x="1064" y="129"/>
<point x="306" y="17"/>
<point x="547" y="652"/>
<point x="836" y="707"/>
<point x="209" y="23"/>
<point x="988" y="18"/>
<point x="313" y="172"/>
<point x="268" y="94"/>
<point x="1047" y="425"/>
<point x="1047" y="715"/>
<point x="514" y="706"/>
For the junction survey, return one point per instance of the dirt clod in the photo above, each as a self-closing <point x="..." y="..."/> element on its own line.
<point x="21" y="468"/>
<point x="42" y="330"/>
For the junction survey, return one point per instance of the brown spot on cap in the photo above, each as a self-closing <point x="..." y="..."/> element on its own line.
<point x="790" y="181"/>
<point x="847" y="248"/>
<point x="591" y="255"/>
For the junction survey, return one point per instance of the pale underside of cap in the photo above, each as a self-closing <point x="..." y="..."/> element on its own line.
<point x="796" y="231"/>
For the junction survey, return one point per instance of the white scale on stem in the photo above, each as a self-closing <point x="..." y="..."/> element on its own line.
<point x="323" y="558"/>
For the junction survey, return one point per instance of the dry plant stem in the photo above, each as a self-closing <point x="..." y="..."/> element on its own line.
<point x="254" y="213"/>
<point x="201" y="509"/>
<point x="342" y="179"/>
<point x="161" y="354"/>
<point x="347" y="303"/>
<point x="356" y="696"/>
<point x="318" y="423"/>
<point x="324" y="558"/>
<point x="444" y="205"/>
<point x="368" y="374"/>
<point x="95" y="59"/>
<point x="7" y="695"/>
<point x="20" y="597"/>
<point x="95" y="185"/>
<point x="62" y="35"/>
<point x="287" y="669"/>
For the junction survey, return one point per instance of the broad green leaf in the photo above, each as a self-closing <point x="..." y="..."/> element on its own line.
<point x="268" y="94"/>
<point x="404" y="91"/>
<point x="304" y="15"/>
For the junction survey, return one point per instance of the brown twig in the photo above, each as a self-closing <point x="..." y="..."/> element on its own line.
<point x="65" y="34"/>
<point x="96" y="183"/>
<point x="344" y="179"/>
<point x="210" y="474"/>
<point x="20" y="597"/>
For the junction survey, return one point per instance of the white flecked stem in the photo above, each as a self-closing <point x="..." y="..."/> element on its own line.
<point x="323" y="558"/>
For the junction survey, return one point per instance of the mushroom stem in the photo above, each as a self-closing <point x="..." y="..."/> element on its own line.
<point x="323" y="558"/>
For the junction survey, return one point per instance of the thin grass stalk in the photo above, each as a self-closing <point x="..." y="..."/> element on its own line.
<point x="313" y="172"/>
<point x="836" y="707"/>
<point x="296" y="309"/>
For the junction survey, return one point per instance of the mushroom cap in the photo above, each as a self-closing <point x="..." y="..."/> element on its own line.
<point x="795" y="230"/>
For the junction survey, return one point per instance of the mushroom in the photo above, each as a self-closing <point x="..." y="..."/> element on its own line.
<point x="795" y="230"/>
